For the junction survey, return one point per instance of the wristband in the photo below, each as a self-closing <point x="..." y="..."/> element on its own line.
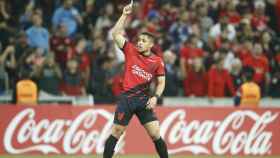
<point x="156" y="95"/>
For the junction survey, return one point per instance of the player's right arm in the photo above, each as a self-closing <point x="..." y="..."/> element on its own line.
<point x="118" y="29"/>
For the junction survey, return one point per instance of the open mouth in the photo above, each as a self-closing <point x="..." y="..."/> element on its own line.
<point x="139" y="47"/>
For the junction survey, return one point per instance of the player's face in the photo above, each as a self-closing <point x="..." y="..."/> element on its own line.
<point x="144" y="43"/>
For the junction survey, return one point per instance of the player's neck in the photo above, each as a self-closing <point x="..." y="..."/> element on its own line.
<point x="147" y="53"/>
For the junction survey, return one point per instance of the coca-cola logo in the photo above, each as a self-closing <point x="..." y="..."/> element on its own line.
<point x="239" y="132"/>
<point x="44" y="134"/>
<point x="227" y="136"/>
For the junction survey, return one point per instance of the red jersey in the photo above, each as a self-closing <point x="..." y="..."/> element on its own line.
<point x="260" y="64"/>
<point x="277" y="57"/>
<point x="60" y="46"/>
<point x="259" y="22"/>
<point x="189" y="54"/>
<point x="139" y="69"/>
<point x="83" y="59"/>
<point x="147" y="6"/>
<point x="234" y="17"/>
<point x="244" y="55"/>
<point x="218" y="82"/>
<point x="195" y="83"/>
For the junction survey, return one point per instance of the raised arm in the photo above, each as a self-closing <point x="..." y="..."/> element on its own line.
<point x="118" y="29"/>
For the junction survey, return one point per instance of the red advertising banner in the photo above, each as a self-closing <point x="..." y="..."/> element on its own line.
<point x="187" y="130"/>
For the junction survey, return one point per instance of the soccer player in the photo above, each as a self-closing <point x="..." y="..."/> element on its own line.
<point x="141" y="67"/>
<point x="249" y="93"/>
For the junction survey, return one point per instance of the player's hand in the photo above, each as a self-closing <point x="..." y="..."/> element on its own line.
<point x="151" y="103"/>
<point x="127" y="9"/>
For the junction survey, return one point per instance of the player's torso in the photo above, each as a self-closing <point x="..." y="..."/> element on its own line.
<point x="139" y="70"/>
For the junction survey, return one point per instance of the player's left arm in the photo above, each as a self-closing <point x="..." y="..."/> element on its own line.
<point x="160" y="85"/>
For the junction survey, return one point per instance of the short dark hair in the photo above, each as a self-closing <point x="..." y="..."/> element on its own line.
<point x="248" y="72"/>
<point x="150" y="35"/>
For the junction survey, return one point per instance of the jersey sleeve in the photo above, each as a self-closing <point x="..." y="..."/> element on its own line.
<point x="184" y="53"/>
<point x="128" y="49"/>
<point x="160" y="71"/>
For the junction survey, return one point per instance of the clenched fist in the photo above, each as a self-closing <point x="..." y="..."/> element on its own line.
<point x="127" y="9"/>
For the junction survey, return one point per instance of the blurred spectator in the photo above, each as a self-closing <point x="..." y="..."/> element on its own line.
<point x="147" y="5"/>
<point x="101" y="80"/>
<point x="228" y="56"/>
<point x="105" y="20"/>
<point x="275" y="78"/>
<point x="5" y="21"/>
<point x="219" y="80"/>
<point x="223" y="27"/>
<point x="49" y="75"/>
<point x="231" y="12"/>
<point x="29" y="60"/>
<point x="37" y="35"/>
<point x="245" y="30"/>
<point x="236" y="70"/>
<point x="152" y="24"/>
<point x="3" y="8"/>
<point x="204" y="20"/>
<point x="277" y="8"/>
<point x="244" y="7"/>
<point x="7" y="59"/>
<point x="79" y="54"/>
<point x="172" y="80"/>
<point x="207" y="30"/>
<point x="248" y="94"/>
<point x="117" y="81"/>
<point x="259" y="20"/>
<point x="47" y="8"/>
<point x="259" y="63"/>
<point x="245" y="49"/>
<point x="100" y="45"/>
<point x="267" y="44"/>
<point x="188" y="52"/>
<point x="61" y="44"/>
<point x="25" y="19"/>
<point x="168" y="14"/>
<point x="68" y="16"/>
<point x="180" y="30"/>
<point x="21" y="44"/>
<point x="90" y="16"/>
<point x="195" y="84"/>
<point x="73" y="84"/>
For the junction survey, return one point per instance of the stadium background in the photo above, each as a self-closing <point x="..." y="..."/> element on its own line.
<point x="71" y="53"/>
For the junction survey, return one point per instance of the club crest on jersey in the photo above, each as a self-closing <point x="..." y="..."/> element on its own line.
<point x="136" y="70"/>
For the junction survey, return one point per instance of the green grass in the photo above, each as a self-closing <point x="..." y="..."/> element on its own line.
<point x="121" y="156"/>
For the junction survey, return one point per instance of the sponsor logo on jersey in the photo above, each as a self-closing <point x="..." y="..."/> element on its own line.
<point x="136" y="70"/>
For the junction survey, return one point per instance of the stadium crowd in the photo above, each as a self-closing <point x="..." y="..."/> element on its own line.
<point x="65" y="46"/>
